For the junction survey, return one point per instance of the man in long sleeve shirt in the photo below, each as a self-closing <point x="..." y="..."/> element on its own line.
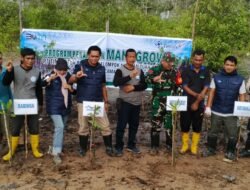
<point x="131" y="82"/>
<point x="162" y="77"/>
<point x="27" y="85"/>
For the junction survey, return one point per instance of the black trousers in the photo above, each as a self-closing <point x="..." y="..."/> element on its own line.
<point x="193" y="118"/>
<point x="127" y="114"/>
<point x="17" y="123"/>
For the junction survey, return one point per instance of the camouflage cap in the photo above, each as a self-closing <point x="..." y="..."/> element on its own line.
<point x="168" y="57"/>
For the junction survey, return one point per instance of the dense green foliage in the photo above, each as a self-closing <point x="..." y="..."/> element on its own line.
<point x="9" y="30"/>
<point x="222" y="26"/>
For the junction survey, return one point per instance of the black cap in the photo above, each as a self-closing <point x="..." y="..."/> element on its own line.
<point x="61" y="65"/>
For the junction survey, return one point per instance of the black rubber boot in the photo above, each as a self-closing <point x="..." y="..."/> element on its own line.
<point x="246" y="151"/>
<point x="248" y="124"/>
<point x="231" y="148"/>
<point x="108" y="143"/>
<point x="211" y="146"/>
<point x="169" y="140"/>
<point x="155" y="142"/>
<point x="1" y="142"/>
<point x="2" y="147"/>
<point x="83" y="141"/>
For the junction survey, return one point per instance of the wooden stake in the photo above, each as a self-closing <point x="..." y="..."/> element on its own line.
<point x="194" y="18"/>
<point x="6" y="127"/>
<point x="174" y="122"/>
<point x="26" y="136"/>
<point x="238" y="144"/>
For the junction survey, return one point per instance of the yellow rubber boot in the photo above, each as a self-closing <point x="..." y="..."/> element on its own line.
<point x="34" y="141"/>
<point x="195" y="143"/>
<point x="185" y="141"/>
<point x="14" y="144"/>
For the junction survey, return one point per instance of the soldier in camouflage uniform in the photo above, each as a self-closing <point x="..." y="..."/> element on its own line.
<point x="162" y="78"/>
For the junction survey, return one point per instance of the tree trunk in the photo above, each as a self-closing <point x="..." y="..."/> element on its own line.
<point x="194" y="18"/>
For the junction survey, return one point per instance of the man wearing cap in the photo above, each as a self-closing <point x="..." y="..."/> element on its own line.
<point x="163" y="80"/>
<point x="58" y="103"/>
<point x="27" y="85"/>
<point x="91" y="86"/>
<point x="196" y="80"/>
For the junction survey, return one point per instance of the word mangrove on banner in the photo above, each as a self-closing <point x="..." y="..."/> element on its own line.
<point x="141" y="56"/>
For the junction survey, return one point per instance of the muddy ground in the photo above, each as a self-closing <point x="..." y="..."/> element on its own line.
<point x="142" y="172"/>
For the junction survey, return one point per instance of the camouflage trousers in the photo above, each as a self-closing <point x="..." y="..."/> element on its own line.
<point x="160" y="116"/>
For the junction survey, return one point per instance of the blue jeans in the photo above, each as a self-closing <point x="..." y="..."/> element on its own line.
<point x="59" y="124"/>
<point x="127" y="114"/>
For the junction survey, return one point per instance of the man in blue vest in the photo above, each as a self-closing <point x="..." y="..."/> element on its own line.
<point x="226" y="87"/>
<point x="91" y="86"/>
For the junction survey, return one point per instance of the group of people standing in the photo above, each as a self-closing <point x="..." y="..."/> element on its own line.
<point x="192" y="81"/>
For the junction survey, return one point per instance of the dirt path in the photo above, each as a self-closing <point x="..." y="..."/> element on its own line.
<point x="142" y="172"/>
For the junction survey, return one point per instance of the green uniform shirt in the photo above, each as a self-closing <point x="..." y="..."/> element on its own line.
<point x="168" y="87"/>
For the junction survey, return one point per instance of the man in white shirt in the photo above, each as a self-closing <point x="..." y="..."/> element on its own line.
<point x="226" y="87"/>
